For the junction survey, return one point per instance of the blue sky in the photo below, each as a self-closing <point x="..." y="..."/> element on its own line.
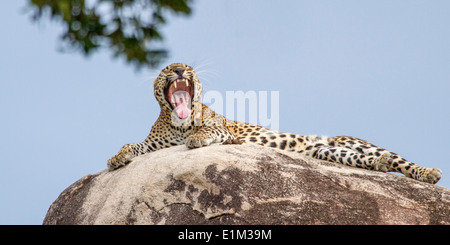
<point x="376" y="70"/>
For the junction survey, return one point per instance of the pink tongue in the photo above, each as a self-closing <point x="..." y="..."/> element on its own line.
<point x="182" y="103"/>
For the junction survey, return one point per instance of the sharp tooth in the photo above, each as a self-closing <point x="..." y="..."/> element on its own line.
<point x="175" y="84"/>
<point x="187" y="83"/>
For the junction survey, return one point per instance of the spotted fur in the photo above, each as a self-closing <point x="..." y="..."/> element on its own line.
<point x="204" y="127"/>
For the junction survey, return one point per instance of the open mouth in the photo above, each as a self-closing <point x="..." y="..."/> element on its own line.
<point x="179" y="95"/>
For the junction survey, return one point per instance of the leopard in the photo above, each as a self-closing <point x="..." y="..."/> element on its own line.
<point x="185" y="120"/>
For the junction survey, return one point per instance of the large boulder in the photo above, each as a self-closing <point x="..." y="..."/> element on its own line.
<point x="246" y="184"/>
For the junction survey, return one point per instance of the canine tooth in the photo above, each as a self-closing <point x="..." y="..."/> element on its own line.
<point x="175" y="84"/>
<point x="187" y="83"/>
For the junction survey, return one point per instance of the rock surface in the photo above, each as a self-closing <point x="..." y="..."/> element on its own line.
<point x="246" y="184"/>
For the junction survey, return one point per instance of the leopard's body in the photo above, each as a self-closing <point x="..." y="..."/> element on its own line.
<point x="195" y="125"/>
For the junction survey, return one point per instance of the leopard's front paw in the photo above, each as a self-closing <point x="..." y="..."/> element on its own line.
<point x="121" y="159"/>
<point x="198" y="140"/>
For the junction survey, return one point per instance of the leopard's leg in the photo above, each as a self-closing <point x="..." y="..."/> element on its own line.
<point x="207" y="135"/>
<point x="153" y="142"/>
<point x="320" y="148"/>
<point x="396" y="163"/>
<point x="130" y="151"/>
<point x="123" y="157"/>
<point x="351" y="158"/>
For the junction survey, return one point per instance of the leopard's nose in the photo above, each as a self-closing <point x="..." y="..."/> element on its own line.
<point x="179" y="71"/>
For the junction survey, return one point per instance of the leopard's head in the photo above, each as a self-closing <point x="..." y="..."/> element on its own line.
<point x="178" y="90"/>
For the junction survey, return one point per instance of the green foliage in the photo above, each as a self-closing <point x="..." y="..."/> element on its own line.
<point x="129" y="28"/>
